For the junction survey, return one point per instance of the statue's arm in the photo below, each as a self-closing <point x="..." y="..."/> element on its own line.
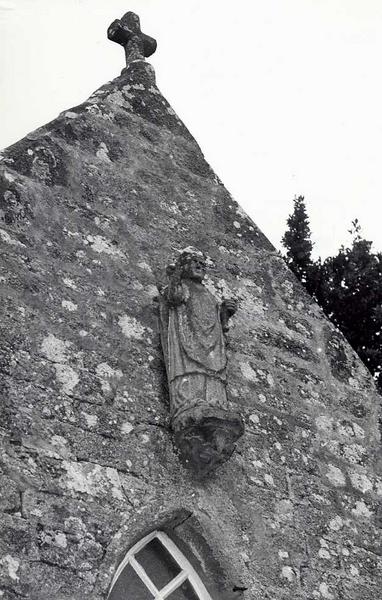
<point x="175" y="292"/>
<point x="227" y="309"/>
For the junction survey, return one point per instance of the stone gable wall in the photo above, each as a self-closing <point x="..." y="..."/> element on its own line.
<point x="91" y="207"/>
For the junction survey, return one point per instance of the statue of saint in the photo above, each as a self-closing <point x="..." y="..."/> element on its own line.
<point x="193" y="324"/>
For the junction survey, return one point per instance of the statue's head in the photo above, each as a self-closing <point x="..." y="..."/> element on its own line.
<point x="193" y="263"/>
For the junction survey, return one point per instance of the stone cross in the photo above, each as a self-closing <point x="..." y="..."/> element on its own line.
<point x="127" y="32"/>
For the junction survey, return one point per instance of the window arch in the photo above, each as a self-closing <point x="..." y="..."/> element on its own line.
<point x="155" y="569"/>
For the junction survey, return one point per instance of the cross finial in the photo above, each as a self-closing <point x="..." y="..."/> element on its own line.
<point x="127" y="32"/>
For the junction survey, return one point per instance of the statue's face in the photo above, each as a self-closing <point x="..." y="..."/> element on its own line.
<point x="195" y="269"/>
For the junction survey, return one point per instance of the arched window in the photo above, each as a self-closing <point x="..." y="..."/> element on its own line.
<point x="155" y="569"/>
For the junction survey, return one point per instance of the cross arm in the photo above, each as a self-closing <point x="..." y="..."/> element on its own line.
<point x="120" y="33"/>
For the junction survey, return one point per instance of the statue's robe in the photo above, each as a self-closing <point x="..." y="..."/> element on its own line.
<point x="194" y="348"/>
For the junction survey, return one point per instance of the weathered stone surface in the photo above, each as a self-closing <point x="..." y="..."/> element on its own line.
<point x="91" y="207"/>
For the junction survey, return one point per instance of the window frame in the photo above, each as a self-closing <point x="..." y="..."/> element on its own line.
<point x="187" y="570"/>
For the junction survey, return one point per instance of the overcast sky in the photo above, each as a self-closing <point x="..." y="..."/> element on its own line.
<point x="283" y="96"/>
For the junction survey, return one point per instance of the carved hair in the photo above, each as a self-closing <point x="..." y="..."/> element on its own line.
<point x="190" y="253"/>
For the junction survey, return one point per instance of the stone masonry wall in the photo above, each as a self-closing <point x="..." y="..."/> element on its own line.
<point x="91" y="207"/>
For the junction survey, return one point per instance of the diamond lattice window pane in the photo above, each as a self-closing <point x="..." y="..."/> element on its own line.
<point x="184" y="592"/>
<point x="158" y="563"/>
<point x="129" y="587"/>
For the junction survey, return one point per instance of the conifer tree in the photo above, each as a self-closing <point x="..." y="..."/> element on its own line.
<point x="351" y="295"/>
<point x="348" y="286"/>
<point x="297" y="241"/>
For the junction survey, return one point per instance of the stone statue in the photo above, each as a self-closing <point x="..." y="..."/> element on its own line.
<point x="193" y="325"/>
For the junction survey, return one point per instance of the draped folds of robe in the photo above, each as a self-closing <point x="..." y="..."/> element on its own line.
<point x="194" y="348"/>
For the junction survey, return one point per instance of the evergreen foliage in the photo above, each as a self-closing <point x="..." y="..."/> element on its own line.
<point x="348" y="286"/>
<point x="297" y="240"/>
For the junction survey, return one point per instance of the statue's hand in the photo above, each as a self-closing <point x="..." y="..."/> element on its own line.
<point x="174" y="289"/>
<point x="170" y="270"/>
<point x="230" y="306"/>
<point x="174" y="271"/>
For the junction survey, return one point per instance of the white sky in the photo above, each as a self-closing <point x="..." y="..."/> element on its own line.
<point x="283" y="96"/>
